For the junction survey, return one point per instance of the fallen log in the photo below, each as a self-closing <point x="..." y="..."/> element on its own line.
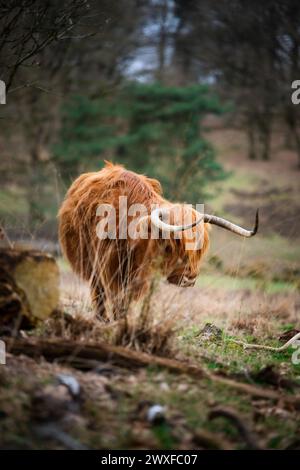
<point x="68" y="353"/>
<point x="29" y="287"/>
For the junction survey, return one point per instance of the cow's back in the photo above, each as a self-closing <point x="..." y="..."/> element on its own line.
<point x="78" y="215"/>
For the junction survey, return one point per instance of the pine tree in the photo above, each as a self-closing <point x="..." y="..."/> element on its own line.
<point x="150" y="128"/>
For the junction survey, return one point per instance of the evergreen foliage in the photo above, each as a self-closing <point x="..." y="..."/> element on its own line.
<point x="150" y="128"/>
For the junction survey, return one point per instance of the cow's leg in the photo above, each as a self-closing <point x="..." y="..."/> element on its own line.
<point x="98" y="300"/>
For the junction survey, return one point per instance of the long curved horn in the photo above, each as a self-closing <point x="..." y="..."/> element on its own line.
<point x="156" y="215"/>
<point x="212" y="219"/>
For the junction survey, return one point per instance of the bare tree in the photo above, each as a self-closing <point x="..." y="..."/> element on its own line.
<point x="49" y="50"/>
<point x="30" y="26"/>
<point x="250" y="50"/>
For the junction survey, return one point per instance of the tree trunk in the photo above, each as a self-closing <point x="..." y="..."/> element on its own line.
<point x="162" y="42"/>
<point x="29" y="287"/>
<point x="291" y="120"/>
<point x="265" y="138"/>
<point x="34" y="185"/>
<point x="251" y="142"/>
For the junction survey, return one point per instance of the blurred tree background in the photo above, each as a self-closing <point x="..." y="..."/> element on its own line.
<point x="152" y="128"/>
<point x="135" y="81"/>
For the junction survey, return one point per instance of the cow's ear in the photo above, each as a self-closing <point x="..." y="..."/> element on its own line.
<point x="155" y="185"/>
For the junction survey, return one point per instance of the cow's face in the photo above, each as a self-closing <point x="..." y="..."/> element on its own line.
<point x="182" y="277"/>
<point x="180" y="263"/>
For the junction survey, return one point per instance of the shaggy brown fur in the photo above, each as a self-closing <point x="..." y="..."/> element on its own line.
<point x="119" y="270"/>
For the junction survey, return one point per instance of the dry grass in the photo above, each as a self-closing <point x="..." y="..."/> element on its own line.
<point x="152" y="325"/>
<point x="146" y="326"/>
<point x="253" y="312"/>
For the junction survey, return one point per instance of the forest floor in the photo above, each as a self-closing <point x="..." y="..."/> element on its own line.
<point x="248" y="290"/>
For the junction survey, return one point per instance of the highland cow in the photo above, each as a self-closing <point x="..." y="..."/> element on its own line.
<point x="119" y="267"/>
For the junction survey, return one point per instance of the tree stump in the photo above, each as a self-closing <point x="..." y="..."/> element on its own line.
<point x="29" y="287"/>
